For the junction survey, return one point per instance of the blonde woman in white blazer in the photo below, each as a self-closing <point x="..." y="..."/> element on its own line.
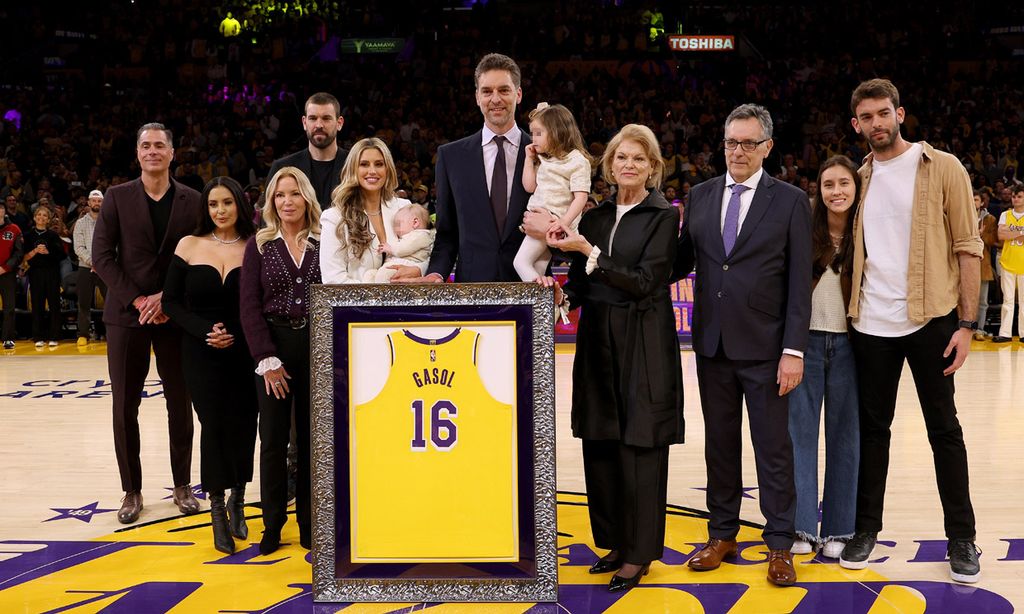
<point x="361" y="216"/>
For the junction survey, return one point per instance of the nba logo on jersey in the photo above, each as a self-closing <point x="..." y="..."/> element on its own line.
<point x="433" y="474"/>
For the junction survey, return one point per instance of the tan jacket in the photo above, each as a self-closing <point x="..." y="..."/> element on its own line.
<point x="945" y="224"/>
<point x="987" y="228"/>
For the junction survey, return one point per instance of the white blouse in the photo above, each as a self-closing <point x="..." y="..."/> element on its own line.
<point x="337" y="264"/>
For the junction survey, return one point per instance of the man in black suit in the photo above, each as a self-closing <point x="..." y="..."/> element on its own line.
<point x="322" y="159"/>
<point x="480" y="195"/>
<point x="751" y="238"/>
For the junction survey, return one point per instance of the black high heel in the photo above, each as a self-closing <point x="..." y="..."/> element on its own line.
<point x="236" y="513"/>
<point x="620" y="584"/>
<point x="606" y="564"/>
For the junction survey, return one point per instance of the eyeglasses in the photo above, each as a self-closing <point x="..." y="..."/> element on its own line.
<point x="731" y="144"/>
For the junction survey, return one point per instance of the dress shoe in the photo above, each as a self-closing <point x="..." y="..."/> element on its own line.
<point x="620" y="584"/>
<point x="219" y="519"/>
<point x="131" y="505"/>
<point x="271" y="541"/>
<point x="607" y="563"/>
<point x="185" y="500"/>
<point x="1001" y="339"/>
<point x="711" y="555"/>
<point x="236" y="513"/>
<point x="780" y="568"/>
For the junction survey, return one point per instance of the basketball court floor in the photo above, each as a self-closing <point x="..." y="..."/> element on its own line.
<point x="62" y="549"/>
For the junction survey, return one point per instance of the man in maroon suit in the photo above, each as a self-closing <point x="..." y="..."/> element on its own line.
<point x="139" y="226"/>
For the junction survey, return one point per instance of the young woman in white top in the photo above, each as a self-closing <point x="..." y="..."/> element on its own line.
<point x="361" y="216"/>
<point x="829" y="373"/>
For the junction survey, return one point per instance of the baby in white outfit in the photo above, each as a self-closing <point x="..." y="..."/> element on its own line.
<point x="415" y="240"/>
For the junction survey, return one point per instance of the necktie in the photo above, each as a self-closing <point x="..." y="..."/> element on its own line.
<point x="499" y="185"/>
<point x="732" y="217"/>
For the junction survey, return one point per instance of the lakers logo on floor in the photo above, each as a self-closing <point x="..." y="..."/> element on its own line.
<point x="170" y="565"/>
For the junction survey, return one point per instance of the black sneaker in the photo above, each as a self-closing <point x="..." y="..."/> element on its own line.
<point x="1001" y="339"/>
<point x="858" y="549"/>
<point x="963" y="560"/>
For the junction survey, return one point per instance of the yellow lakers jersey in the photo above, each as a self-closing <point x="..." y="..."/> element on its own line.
<point x="1012" y="258"/>
<point x="433" y="472"/>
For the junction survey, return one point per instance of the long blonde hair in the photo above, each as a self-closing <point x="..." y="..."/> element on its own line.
<point x="354" y="230"/>
<point x="311" y="225"/>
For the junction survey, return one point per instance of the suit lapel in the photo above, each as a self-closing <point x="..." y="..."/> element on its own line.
<point x="715" y="215"/>
<point x="177" y="222"/>
<point x="518" y="199"/>
<point x="146" y="223"/>
<point x="758" y="207"/>
<point x="473" y="159"/>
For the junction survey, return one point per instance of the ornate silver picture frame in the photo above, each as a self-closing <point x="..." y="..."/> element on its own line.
<point x="339" y="314"/>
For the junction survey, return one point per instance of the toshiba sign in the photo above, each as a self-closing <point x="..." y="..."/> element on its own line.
<point x="686" y="42"/>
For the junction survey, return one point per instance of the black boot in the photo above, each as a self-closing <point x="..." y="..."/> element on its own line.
<point x="236" y="513"/>
<point x="219" y="518"/>
<point x="271" y="541"/>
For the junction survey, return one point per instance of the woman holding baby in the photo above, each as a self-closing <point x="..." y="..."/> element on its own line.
<point x="367" y="223"/>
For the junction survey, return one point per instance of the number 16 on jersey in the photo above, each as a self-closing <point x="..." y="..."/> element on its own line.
<point x="443" y="430"/>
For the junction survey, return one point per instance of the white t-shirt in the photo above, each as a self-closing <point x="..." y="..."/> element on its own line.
<point x="888" y="214"/>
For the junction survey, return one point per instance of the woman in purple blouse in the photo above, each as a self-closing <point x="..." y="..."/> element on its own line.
<point x="280" y="263"/>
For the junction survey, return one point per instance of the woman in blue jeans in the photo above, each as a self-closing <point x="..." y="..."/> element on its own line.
<point x="829" y="373"/>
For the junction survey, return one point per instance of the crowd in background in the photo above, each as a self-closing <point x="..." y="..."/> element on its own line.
<point x="74" y="91"/>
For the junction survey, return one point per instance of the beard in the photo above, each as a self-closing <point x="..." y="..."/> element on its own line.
<point x="881" y="142"/>
<point x="321" y="140"/>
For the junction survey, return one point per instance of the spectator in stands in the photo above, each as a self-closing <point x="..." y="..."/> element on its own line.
<point x="87" y="281"/>
<point x="12" y="249"/>
<point x="43" y="255"/>
<point x="1011" y="278"/>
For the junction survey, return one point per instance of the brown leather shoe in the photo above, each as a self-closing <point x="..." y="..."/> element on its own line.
<point x="131" y="505"/>
<point x="185" y="500"/>
<point x="711" y="555"/>
<point x="780" y="568"/>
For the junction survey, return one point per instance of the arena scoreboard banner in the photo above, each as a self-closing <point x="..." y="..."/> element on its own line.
<point x="702" y="42"/>
<point x="433" y="443"/>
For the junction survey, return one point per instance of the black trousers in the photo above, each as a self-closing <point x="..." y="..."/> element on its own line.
<point x="275" y="426"/>
<point x="626" y="492"/>
<point x="8" y="284"/>
<point x="879" y="365"/>
<point x="724" y="384"/>
<point x="128" y="361"/>
<point x="86" y="282"/>
<point x="44" y="285"/>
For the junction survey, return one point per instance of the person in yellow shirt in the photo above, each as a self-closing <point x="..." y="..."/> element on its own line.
<point x="1011" y="275"/>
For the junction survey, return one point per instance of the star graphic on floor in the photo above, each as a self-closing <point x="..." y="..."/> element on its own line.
<point x="84" y="513"/>
<point x="746" y="489"/>
<point x="197" y="492"/>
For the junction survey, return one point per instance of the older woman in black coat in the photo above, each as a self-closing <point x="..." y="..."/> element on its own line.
<point x="627" y="402"/>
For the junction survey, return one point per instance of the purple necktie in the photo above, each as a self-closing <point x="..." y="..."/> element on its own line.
<point x="499" y="185"/>
<point x="732" y="217"/>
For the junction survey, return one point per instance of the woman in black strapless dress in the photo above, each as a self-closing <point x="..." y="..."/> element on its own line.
<point x="201" y="296"/>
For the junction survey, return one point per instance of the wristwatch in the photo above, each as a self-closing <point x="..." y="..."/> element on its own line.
<point x="968" y="324"/>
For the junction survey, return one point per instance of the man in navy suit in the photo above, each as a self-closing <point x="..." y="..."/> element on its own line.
<point x="480" y="195"/>
<point x="750" y="236"/>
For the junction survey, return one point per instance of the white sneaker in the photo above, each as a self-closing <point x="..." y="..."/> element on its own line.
<point x="53" y="344"/>
<point x="40" y="344"/>
<point x="832" y="549"/>
<point x="802" y="546"/>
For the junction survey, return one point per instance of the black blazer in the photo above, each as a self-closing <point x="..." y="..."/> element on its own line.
<point x="466" y="229"/>
<point x="627" y="378"/>
<point x="303" y="161"/>
<point x="758" y="299"/>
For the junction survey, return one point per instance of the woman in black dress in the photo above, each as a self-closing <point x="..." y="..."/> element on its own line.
<point x="44" y="252"/>
<point x="627" y="392"/>
<point x="201" y="295"/>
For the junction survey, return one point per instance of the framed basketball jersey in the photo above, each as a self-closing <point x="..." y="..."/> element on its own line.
<point x="432" y="435"/>
<point x="432" y="455"/>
